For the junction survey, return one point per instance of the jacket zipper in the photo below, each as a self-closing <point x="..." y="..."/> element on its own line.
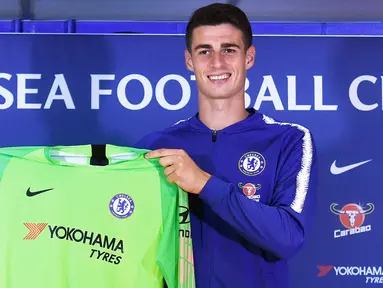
<point x="213" y="139"/>
<point x="214" y="136"/>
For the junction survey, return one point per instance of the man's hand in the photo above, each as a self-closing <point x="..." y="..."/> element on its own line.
<point x="181" y="169"/>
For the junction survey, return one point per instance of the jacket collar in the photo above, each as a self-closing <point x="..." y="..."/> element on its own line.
<point x="246" y="124"/>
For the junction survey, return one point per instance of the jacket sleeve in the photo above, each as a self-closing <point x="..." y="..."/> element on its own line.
<point x="281" y="226"/>
<point x="148" y="141"/>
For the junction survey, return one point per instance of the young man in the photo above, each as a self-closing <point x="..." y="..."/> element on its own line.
<point x="251" y="179"/>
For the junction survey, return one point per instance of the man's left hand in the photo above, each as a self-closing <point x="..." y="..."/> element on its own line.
<point x="181" y="169"/>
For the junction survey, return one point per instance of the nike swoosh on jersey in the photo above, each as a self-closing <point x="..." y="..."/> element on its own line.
<point x="340" y="170"/>
<point x="30" y="193"/>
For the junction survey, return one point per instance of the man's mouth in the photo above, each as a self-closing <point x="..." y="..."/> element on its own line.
<point x="219" y="78"/>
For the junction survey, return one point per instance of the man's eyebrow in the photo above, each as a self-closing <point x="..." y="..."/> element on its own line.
<point x="203" y="46"/>
<point x="223" y="45"/>
<point x="228" y="45"/>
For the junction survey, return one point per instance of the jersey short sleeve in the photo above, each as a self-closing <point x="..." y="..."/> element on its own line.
<point x="8" y="153"/>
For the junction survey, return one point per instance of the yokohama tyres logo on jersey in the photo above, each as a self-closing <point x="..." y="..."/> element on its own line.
<point x="34" y="230"/>
<point x="77" y="235"/>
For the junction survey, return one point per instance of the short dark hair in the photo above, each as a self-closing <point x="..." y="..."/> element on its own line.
<point x="217" y="14"/>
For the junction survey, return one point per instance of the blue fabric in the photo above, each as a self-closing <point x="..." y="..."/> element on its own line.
<point x="256" y="209"/>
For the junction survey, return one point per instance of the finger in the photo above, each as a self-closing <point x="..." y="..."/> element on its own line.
<point x="169" y="170"/>
<point x="169" y="160"/>
<point x="159" y="153"/>
<point x="162" y="153"/>
<point x="172" y="178"/>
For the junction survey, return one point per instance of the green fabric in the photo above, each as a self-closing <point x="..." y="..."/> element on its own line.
<point x="14" y="152"/>
<point x="69" y="237"/>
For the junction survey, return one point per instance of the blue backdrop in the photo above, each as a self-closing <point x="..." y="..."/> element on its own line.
<point x="75" y="89"/>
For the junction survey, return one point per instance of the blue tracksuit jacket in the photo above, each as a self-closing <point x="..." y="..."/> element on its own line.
<point x="254" y="212"/>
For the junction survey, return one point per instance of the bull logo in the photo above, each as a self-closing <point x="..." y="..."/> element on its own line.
<point x="352" y="215"/>
<point x="249" y="189"/>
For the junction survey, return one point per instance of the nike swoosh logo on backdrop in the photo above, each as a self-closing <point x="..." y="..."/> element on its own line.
<point x="30" y="193"/>
<point x="339" y="170"/>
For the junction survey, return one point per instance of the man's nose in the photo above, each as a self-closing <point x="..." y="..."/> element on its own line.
<point x="217" y="60"/>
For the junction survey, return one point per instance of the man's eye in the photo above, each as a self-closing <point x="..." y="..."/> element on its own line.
<point x="204" y="52"/>
<point x="229" y="50"/>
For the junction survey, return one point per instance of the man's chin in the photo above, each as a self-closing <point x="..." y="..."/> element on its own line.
<point x="220" y="91"/>
<point x="219" y="94"/>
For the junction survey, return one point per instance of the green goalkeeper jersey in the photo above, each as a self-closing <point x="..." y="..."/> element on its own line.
<point x="68" y="224"/>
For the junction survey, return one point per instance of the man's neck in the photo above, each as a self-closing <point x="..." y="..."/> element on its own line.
<point x="218" y="114"/>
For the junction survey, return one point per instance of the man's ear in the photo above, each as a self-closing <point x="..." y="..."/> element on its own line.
<point x="188" y="61"/>
<point x="250" y="57"/>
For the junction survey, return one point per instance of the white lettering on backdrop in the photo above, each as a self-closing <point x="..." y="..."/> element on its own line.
<point x="27" y="95"/>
